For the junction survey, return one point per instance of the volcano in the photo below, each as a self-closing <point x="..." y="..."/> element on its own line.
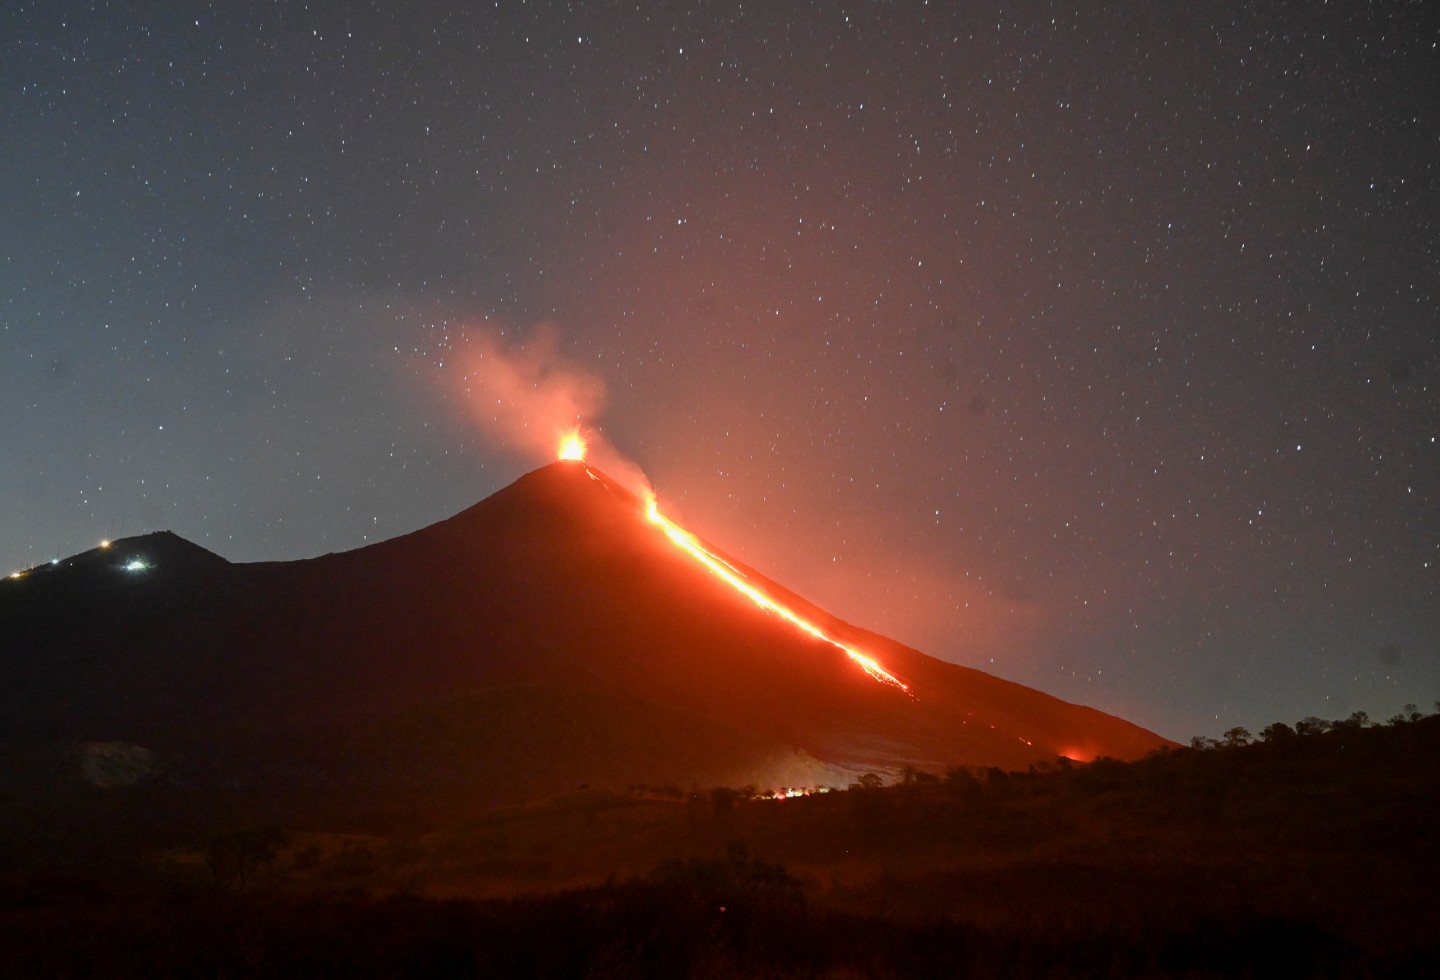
<point x="549" y="637"/>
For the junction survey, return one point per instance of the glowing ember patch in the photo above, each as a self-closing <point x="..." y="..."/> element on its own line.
<point x="572" y="446"/>
<point x="727" y="573"/>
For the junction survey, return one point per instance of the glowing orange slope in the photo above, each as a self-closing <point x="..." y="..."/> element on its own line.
<point x="767" y="601"/>
<point x="726" y="641"/>
<point x="572" y="448"/>
<point x="552" y="634"/>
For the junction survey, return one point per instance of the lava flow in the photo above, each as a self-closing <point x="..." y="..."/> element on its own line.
<point x="572" y="447"/>
<point x="691" y="544"/>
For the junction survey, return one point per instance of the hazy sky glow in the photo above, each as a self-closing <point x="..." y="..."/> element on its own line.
<point x="1092" y="345"/>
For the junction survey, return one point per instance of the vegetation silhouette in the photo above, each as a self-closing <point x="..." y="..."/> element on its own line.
<point x="1307" y="851"/>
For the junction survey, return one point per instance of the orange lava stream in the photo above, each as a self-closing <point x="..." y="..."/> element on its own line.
<point x="689" y="543"/>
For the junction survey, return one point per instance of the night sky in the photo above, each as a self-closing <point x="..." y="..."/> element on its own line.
<point x="1093" y="345"/>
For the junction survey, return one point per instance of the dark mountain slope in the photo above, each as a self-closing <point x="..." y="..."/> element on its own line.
<point x="548" y="635"/>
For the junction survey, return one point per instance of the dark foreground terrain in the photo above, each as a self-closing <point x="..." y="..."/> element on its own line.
<point x="1303" y="854"/>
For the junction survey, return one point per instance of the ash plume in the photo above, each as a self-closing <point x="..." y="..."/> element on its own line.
<point x="526" y="395"/>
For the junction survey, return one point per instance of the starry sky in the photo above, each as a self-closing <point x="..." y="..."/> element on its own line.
<point x="1094" y="344"/>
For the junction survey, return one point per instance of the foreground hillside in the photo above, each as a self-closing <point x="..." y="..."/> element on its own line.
<point x="1304" y="855"/>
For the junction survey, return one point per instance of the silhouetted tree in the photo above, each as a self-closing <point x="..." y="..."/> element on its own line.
<point x="723" y="798"/>
<point x="1276" y="732"/>
<point x="868" y="781"/>
<point x="997" y="778"/>
<point x="1311" y="725"/>
<point x="1237" y="736"/>
<point x="962" y="781"/>
<point x="911" y="776"/>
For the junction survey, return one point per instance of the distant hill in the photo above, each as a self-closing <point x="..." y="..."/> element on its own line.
<point x="546" y="638"/>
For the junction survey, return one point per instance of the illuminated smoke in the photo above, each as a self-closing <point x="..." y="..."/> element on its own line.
<point x="525" y="395"/>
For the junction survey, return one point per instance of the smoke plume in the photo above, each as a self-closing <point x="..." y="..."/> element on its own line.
<point x="525" y="395"/>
